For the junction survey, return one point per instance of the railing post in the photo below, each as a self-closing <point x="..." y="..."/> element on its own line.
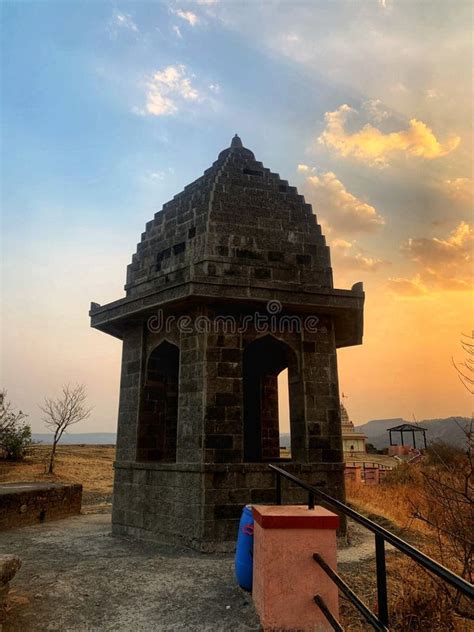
<point x="381" y="579"/>
<point x="310" y="500"/>
<point x="283" y="592"/>
<point x="382" y="536"/>
<point x="278" y="488"/>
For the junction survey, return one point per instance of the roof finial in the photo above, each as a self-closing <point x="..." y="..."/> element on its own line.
<point x="236" y="142"/>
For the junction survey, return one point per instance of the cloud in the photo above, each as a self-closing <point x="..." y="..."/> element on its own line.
<point x="190" y="17"/>
<point x="432" y="93"/>
<point x="408" y="287"/>
<point x="375" y="110"/>
<point x="443" y="264"/>
<point x="373" y="146"/>
<point x="122" y="20"/>
<point x="214" y="87"/>
<point x="348" y="255"/>
<point x="167" y="89"/>
<point x="399" y="88"/>
<point x="303" y="168"/>
<point x="177" y="31"/>
<point x="340" y="209"/>
<point x="156" y="175"/>
<point x="461" y="189"/>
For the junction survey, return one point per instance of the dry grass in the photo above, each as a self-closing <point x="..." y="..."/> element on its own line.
<point x="417" y="600"/>
<point x="90" y="465"/>
<point x="393" y="500"/>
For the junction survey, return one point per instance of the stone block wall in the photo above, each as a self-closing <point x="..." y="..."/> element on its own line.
<point x="160" y="502"/>
<point x="23" y="504"/>
<point x="199" y="505"/>
<point x="197" y="499"/>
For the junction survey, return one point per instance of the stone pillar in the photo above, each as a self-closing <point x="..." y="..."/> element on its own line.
<point x="285" y="576"/>
<point x="223" y="429"/>
<point x="132" y="362"/>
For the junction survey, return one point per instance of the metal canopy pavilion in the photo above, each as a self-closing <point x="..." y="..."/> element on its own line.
<point x="407" y="428"/>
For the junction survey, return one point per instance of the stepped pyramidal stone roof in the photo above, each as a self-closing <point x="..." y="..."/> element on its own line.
<point x="237" y="232"/>
<point x="239" y="221"/>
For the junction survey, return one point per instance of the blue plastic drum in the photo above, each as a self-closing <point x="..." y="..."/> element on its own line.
<point x="244" y="552"/>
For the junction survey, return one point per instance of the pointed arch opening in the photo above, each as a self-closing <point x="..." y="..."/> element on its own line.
<point x="158" y="422"/>
<point x="264" y="361"/>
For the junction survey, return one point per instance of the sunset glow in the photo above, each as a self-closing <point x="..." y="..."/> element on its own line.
<point x="109" y="111"/>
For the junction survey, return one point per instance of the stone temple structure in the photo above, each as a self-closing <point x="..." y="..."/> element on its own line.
<point x="231" y="284"/>
<point x="352" y="441"/>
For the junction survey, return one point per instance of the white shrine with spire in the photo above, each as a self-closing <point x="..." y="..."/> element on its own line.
<point x="352" y="442"/>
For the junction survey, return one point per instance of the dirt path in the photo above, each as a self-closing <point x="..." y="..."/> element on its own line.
<point x="362" y="545"/>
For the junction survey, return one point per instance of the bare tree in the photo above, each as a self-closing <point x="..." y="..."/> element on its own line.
<point x="60" y="413"/>
<point x="448" y="506"/>
<point x="445" y="498"/>
<point x="465" y="370"/>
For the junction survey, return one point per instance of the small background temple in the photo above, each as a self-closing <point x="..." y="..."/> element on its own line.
<point x="198" y="413"/>
<point x="353" y="442"/>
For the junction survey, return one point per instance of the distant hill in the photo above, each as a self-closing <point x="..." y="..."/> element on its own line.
<point x="376" y="431"/>
<point x="97" y="438"/>
<point x="446" y="430"/>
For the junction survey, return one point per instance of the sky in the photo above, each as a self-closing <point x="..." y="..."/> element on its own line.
<point x="109" y="109"/>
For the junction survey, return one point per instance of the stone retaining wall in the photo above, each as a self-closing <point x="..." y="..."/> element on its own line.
<point x="23" y="504"/>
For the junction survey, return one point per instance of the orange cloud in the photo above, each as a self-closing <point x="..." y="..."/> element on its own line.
<point x="408" y="287"/>
<point x="348" y="255"/>
<point x="342" y="211"/>
<point x="371" y="145"/>
<point x="445" y="264"/>
<point x="302" y="168"/>
<point x="461" y="189"/>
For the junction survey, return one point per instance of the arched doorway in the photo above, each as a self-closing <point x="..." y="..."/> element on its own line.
<point x="263" y="361"/>
<point x="158" y="422"/>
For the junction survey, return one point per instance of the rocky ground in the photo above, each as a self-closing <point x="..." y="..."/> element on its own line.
<point x="76" y="577"/>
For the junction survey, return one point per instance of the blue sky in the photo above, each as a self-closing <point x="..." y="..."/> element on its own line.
<point x="110" y="108"/>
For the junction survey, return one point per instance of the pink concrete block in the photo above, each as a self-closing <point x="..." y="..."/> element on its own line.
<point x="398" y="450"/>
<point x="372" y="476"/>
<point x="285" y="576"/>
<point x="353" y="473"/>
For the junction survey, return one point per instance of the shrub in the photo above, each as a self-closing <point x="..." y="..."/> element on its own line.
<point x="442" y="453"/>
<point x="16" y="441"/>
<point x="15" y="434"/>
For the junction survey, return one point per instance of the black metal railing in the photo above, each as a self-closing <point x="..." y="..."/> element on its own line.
<point x="379" y="621"/>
